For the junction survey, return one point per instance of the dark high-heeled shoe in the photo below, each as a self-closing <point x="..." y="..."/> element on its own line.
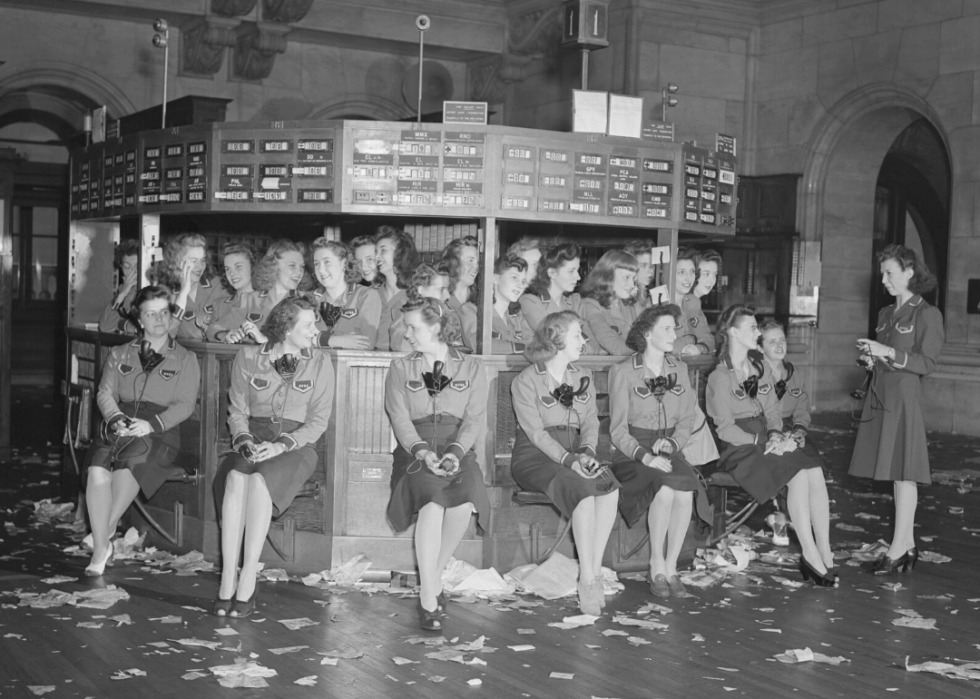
<point x="222" y="607"/>
<point x="429" y="621"/>
<point x="891" y="566"/>
<point x="240" y="608"/>
<point x="820" y="580"/>
<point x="913" y="554"/>
<point x="442" y="603"/>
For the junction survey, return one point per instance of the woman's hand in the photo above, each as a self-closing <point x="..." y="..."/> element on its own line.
<point x="351" y="341"/>
<point x="867" y="361"/>
<point x="799" y="436"/>
<point x="662" y="446"/>
<point x="431" y="461"/>
<point x="691" y="349"/>
<point x="129" y="282"/>
<point x="875" y="349"/>
<point x="253" y="331"/>
<point x="661" y="463"/>
<point x="586" y="466"/>
<point x="267" y="450"/>
<point x="137" y="428"/>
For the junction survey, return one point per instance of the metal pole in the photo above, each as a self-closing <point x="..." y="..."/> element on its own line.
<point x="421" y="54"/>
<point x="585" y="69"/>
<point x="166" y="66"/>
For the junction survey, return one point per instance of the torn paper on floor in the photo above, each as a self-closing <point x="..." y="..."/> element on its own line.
<point x="962" y="671"/>
<point x="805" y="655"/>
<point x="243" y="673"/>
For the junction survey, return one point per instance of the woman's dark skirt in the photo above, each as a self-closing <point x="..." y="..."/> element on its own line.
<point x="810" y="449"/>
<point x="413" y="485"/>
<point x="534" y="470"/>
<point x="759" y="474"/>
<point x="642" y="483"/>
<point x="149" y="458"/>
<point x="284" y="474"/>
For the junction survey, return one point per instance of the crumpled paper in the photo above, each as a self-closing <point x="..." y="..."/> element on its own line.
<point x="805" y="655"/>
<point x="963" y="671"/>
<point x="243" y="673"/>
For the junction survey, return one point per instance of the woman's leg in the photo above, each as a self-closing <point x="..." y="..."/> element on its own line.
<point x="798" y="504"/>
<point x="232" y="530"/>
<point x="258" y="517"/>
<point x="906" y="501"/>
<point x="605" y="518"/>
<point x="820" y="514"/>
<point x="428" y="545"/>
<point x="680" y="521"/>
<point x="454" y="523"/>
<point x="124" y="491"/>
<point x="658" y="521"/>
<point x="584" y="532"/>
<point x="98" y="500"/>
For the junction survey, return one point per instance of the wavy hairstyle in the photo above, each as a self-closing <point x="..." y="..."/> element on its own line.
<point x="451" y="256"/>
<point x="549" y="338"/>
<point x="240" y="248"/>
<point x="686" y="253"/>
<point x="638" y="247"/>
<point x="344" y="253"/>
<point x="363" y="241"/>
<point x="436" y="314"/>
<point x="265" y="271"/>
<point x="923" y="280"/>
<point x="728" y="319"/>
<point x="406" y="257"/>
<point x="282" y="317"/>
<point x="552" y="258"/>
<point x="523" y="245"/>
<point x="167" y="272"/>
<point x="509" y="261"/>
<point x="636" y="339"/>
<point x="126" y="248"/>
<point x="599" y="283"/>
<point x="425" y="275"/>
<point x="148" y="293"/>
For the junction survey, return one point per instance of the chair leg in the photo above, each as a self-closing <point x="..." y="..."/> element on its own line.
<point x="288" y="550"/>
<point x="156" y="525"/>
<point x="535" y="541"/>
<point x="566" y="529"/>
<point x="179" y="523"/>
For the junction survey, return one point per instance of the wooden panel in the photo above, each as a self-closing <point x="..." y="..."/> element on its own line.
<point x="368" y="428"/>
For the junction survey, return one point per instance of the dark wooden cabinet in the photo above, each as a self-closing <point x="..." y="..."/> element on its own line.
<point x="767" y="204"/>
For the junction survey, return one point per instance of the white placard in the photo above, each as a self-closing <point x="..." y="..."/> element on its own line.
<point x="590" y="111"/>
<point x="659" y="294"/>
<point x="660" y="256"/>
<point x="625" y="116"/>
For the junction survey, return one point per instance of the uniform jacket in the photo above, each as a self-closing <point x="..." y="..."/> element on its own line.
<point x="467" y="318"/>
<point x="610" y="326"/>
<point x="229" y="315"/>
<point x="406" y="399"/>
<point x="257" y="390"/>
<point x="694" y="328"/>
<point x="727" y="402"/>
<point x="915" y="331"/>
<point x="391" y="310"/>
<point x="535" y="308"/>
<point x="795" y="403"/>
<point x="632" y="403"/>
<point x="510" y="333"/>
<point x="361" y="313"/>
<point x="537" y="409"/>
<point x="201" y="311"/>
<point x="115" y="318"/>
<point x="397" y="342"/>
<point x="173" y="384"/>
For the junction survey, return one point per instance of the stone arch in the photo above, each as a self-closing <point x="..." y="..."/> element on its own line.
<point x="361" y="105"/>
<point x="837" y="199"/>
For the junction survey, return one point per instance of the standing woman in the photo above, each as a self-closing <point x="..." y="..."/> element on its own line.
<point x="651" y="418"/>
<point x="436" y="399"/>
<point x="279" y="404"/>
<point x="555" y="449"/>
<point x="552" y="289"/>
<point x="276" y="276"/>
<point x="462" y="259"/>
<point x="366" y="255"/>
<point x="742" y="402"/>
<point x="188" y="273"/>
<point x="891" y="439"/>
<point x="239" y="261"/>
<point x="510" y="333"/>
<point x="349" y="313"/>
<point x="397" y="260"/>
<point x="695" y="336"/>
<point x="115" y="318"/>
<point x="148" y="388"/>
<point x="609" y="301"/>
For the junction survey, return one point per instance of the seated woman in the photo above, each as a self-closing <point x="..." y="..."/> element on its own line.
<point x="366" y="254"/>
<point x="436" y="399"/>
<point x="609" y="301"/>
<point x="510" y="333"/>
<point x="695" y="336"/>
<point x="279" y="405"/>
<point x="148" y="387"/>
<point x="651" y="417"/>
<point x="555" y="449"/>
<point x="462" y="260"/>
<point x="349" y="313"/>
<point x="277" y="276"/>
<point x="188" y="273"/>
<point x="115" y="318"/>
<point x="790" y="385"/>
<point x="397" y="260"/>
<point x="552" y="289"/>
<point x="642" y="250"/>
<point x="742" y="402"/>
<point x="239" y="261"/>
<point x="428" y="282"/>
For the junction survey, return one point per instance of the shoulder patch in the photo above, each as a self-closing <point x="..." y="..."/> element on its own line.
<point x="765" y="388"/>
<point x="494" y="334"/>
<point x="303" y="385"/>
<point x="414" y="386"/>
<point x="677" y="390"/>
<point x="906" y="329"/>
<point x="126" y="369"/>
<point x="189" y="315"/>
<point x="168" y="374"/>
<point x="254" y="317"/>
<point x="642" y="391"/>
<point x="259" y="384"/>
<point x="349" y="312"/>
<point x="209" y="308"/>
<point x="739" y="392"/>
<point x="796" y="392"/>
<point x="694" y="321"/>
<point x="584" y="398"/>
<point x="615" y="328"/>
<point x="460" y="385"/>
<point x="549" y="401"/>
<point x="519" y="347"/>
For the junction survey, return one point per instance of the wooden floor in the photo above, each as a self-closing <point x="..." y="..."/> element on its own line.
<point x="721" y="644"/>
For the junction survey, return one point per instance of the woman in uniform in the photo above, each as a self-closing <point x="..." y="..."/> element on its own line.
<point x="148" y="387"/>
<point x="436" y="399"/>
<point x="643" y="252"/>
<point x="709" y="262"/>
<point x="349" y="313"/>
<point x="510" y="333"/>
<point x="366" y="255"/>
<point x="695" y="336"/>
<point x="891" y="439"/>
<point x="462" y="260"/>
<point x="115" y="318"/>
<point x="397" y="260"/>
<point x="239" y="261"/>
<point x="428" y="282"/>
<point x="529" y="249"/>
<point x="552" y="289"/>
<point x="651" y="417"/>
<point x="790" y="385"/>
<point x="187" y="271"/>
<point x="742" y="402"/>
<point x="277" y="276"/>
<point x="555" y="449"/>
<point x="609" y="301"/>
<point x="279" y="404"/>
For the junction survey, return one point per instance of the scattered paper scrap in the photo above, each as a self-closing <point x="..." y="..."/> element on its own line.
<point x="521" y="648"/>
<point x="194" y="675"/>
<point x="294" y="624"/>
<point x="915" y="622"/>
<point x="346" y="653"/>
<point x="40" y="689"/>
<point x="194" y="642"/>
<point x="309" y="681"/>
<point x="562" y="675"/>
<point x="288" y="649"/>
<point x="933" y="557"/>
<point x="572" y="622"/>
<point x="243" y="673"/>
<point x="805" y="655"/>
<point x="58" y="579"/>
<point x="962" y="671"/>
<point x="398" y="660"/>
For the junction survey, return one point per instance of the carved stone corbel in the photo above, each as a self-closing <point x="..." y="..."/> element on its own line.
<point x="536" y="34"/>
<point x="256" y="49"/>
<point x="490" y="77"/>
<point x="285" y="11"/>
<point x="232" y="8"/>
<point x="203" y="44"/>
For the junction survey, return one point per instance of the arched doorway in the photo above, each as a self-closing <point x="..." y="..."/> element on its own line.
<point x="839" y="199"/>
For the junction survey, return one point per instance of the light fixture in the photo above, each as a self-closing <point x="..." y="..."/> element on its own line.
<point x="668" y="100"/>
<point x="161" y="40"/>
